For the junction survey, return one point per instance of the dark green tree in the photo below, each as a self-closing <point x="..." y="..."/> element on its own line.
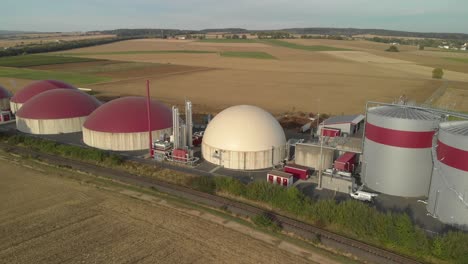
<point x="437" y="73"/>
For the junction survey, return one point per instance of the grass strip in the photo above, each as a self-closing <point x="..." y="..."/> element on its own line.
<point x="69" y="77"/>
<point x="248" y="54"/>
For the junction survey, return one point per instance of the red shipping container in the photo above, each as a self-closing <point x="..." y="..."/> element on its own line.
<point x="346" y="162"/>
<point x="297" y="171"/>
<point x="330" y="132"/>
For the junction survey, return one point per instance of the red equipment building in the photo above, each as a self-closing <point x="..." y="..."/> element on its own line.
<point x="280" y="178"/>
<point x="331" y="132"/>
<point x="180" y="155"/>
<point x="298" y="171"/>
<point x="346" y="162"/>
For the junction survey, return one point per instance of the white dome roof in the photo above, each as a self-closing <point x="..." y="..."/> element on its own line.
<point x="244" y="128"/>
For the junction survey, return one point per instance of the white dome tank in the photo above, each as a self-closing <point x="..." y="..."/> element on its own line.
<point x="244" y="137"/>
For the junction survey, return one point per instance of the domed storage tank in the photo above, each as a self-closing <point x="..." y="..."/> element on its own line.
<point x="5" y="96"/>
<point x="122" y="124"/>
<point x="244" y="137"/>
<point x="448" y="195"/>
<point x="397" y="156"/>
<point x="56" y="111"/>
<point x="33" y="89"/>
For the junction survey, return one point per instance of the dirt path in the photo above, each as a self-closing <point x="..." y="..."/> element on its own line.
<point x="50" y="219"/>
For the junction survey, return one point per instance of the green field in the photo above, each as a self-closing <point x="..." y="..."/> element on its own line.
<point x="290" y="45"/>
<point x="247" y="54"/>
<point x="136" y="52"/>
<point x="73" y="78"/>
<point x="37" y="60"/>
<point x="463" y="60"/>
<point x="221" y="40"/>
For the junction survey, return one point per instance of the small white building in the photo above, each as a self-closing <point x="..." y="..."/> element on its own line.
<point x="341" y="125"/>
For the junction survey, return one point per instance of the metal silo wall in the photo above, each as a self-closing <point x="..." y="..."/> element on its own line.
<point x="395" y="170"/>
<point x="448" y="195"/>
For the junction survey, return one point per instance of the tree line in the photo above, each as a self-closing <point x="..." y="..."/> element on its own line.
<point x="57" y="46"/>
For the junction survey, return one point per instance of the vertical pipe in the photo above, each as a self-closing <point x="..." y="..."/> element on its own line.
<point x="319" y="187"/>
<point x="176" y="126"/>
<point x="148" y="113"/>
<point x="188" y="123"/>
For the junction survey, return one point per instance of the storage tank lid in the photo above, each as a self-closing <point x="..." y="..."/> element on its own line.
<point x="455" y="128"/>
<point x="129" y="115"/>
<point x="403" y="112"/>
<point x="59" y="104"/>
<point x="38" y="87"/>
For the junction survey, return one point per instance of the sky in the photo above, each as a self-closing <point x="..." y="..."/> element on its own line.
<point x="87" y="15"/>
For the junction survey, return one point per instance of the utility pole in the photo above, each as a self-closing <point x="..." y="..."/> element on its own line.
<point x="148" y="113"/>
<point x="319" y="186"/>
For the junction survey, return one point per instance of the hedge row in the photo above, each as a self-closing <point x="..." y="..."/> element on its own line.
<point x="74" y="152"/>
<point x="394" y="231"/>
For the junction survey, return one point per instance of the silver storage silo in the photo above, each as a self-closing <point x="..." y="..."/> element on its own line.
<point x="448" y="195"/>
<point x="397" y="150"/>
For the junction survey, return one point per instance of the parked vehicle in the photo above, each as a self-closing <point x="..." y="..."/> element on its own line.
<point x="363" y="196"/>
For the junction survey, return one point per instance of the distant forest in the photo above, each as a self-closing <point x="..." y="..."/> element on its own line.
<point x="302" y="31"/>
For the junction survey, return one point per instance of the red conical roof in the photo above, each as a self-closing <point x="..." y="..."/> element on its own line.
<point x="38" y="87"/>
<point x="129" y="115"/>
<point x="59" y="104"/>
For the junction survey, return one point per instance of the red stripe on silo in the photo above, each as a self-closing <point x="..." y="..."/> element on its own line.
<point x="453" y="157"/>
<point x="399" y="138"/>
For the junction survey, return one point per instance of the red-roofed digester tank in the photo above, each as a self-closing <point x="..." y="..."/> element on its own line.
<point x="33" y="89"/>
<point x="56" y="111"/>
<point x="122" y="124"/>
<point x="397" y="150"/>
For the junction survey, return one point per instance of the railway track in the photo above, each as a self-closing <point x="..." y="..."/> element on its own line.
<point x="360" y="249"/>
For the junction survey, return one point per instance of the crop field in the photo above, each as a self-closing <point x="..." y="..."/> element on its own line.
<point x="329" y="76"/>
<point x="48" y="217"/>
<point x="35" y="60"/>
<point x="73" y="78"/>
<point x="463" y="60"/>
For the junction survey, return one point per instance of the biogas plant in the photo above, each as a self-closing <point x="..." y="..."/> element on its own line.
<point x="391" y="150"/>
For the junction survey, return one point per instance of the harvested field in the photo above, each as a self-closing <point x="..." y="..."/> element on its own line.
<point x="454" y="99"/>
<point x="429" y="57"/>
<point x="342" y="81"/>
<point x="46" y="218"/>
<point x="277" y="92"/>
